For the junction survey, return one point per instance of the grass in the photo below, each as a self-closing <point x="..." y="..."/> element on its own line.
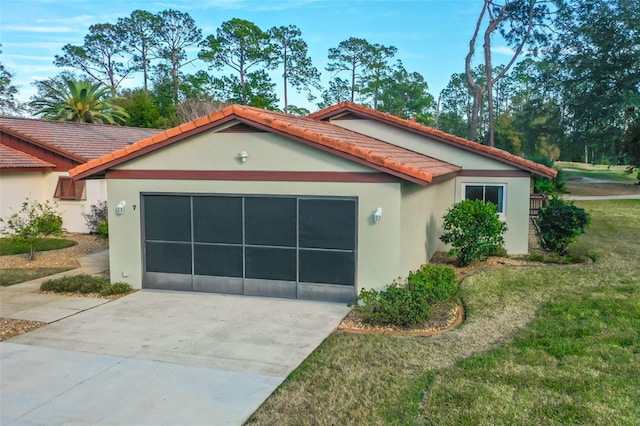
<point x="16" y="276"/>
<point x="540" y="345"/>
<point x="10" y="246"/>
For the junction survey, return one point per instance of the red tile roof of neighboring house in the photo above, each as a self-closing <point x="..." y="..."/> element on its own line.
<point x="350" y="108"/>
<point x="377" y="154"/>
<point x="11" y="158"/>
<point x="77" y="141"/>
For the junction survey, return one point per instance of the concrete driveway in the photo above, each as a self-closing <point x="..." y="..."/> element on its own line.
<point x="158" y="357"/>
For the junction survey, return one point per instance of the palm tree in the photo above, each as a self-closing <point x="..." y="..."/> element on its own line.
<point x="77" y="100"/>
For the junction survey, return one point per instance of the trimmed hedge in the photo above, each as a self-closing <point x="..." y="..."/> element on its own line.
<point x="84" y="284"/>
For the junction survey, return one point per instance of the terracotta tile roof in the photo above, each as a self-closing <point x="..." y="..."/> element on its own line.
<point x="377" y="154"/>
<point x="11" y="158"/>
<point x="346" y="108"/>
<point x="76" y="141"/>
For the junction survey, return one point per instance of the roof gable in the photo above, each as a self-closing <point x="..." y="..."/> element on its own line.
<point x="377" y="154"/>
<point x="351" y="110"/>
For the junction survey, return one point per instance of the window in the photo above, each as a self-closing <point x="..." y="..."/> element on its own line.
<point x="487" y="193"/>
<point x="68" y="189"/>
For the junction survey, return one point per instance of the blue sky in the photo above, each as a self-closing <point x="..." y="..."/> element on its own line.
<point x="432" y="36"/>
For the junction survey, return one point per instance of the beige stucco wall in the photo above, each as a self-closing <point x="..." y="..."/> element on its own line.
<point x="516" y="213"/>
<point x="422" y="210"/>
<point x="219" y="151"/>
<point x="378" y="256"/>
<point x="40" y="186"/>
<point x="423" y="145"/>
<point x="517" y="196"/>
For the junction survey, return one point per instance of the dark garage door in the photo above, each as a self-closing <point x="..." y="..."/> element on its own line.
<point x="296" y="247"/>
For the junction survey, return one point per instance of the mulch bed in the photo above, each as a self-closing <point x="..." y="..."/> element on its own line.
<point x="10" y="327"/>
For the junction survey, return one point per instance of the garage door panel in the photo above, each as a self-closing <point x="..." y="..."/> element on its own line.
<point x="278" y="246"/>
<point x="165" y="281"/>
<point x="210" y="284"/>
<point x="167" y="218"/>
<point x="327" y="224"/>
<point x="327" y="267"/>
<point x="270" y="263"/>
<point x="217" y="219"/>
<point x="217" y="260"/>
<point x="324" y="292"/>
<point x="168" y="257"/>
<point x="270" y="288"/>
<point x="270" y="221"/>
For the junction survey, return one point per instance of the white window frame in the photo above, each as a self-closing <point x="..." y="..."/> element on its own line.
<point x="502" y="213"/>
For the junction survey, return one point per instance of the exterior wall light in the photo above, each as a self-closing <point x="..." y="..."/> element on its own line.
<point x="243" y="156"/>
<point x="120" y="207"/>
<point x="377" y="215"/>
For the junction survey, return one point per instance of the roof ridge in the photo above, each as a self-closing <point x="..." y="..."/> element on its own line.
<point x="502" y="155"/>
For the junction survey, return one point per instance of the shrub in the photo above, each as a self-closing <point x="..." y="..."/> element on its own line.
<point x="474" y="231"/>
<point x="543" y="185"/>
<point x="409" y="304"/>
<point x="97" y="219"/>
<point x="84" y="283"/>
<point x="32" y="223"/>
<point x="560" y="223"/>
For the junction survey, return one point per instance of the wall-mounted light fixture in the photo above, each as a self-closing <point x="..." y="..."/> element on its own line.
<point x="120" y="207"/>
<point x="243" y="156"/>
<point x="377" y="215"/>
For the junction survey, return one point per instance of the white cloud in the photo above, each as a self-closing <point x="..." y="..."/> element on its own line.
<point x="36" y="29"/>
<point x="502" y="50"/>
<point x="34" y="44"/>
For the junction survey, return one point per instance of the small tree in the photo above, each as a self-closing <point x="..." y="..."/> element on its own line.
<point x="474" y="231"/>
<point x="98" y="219"/>
<point x="560" y="223"/>
<point x="33" y="222"/>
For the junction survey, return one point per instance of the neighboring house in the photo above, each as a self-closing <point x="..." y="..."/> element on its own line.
<point x="35" y="156"/>
<point x="255" y="202"/>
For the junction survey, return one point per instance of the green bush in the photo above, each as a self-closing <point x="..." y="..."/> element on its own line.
<point x="409" y="304"/>
<point x="560" y="223"/>
<point x="84" y="283"/>
<point x="474" y="231"/>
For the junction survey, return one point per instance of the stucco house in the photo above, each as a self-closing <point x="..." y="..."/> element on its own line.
<point x="255" y="202"/>
<point x="36" y="155"/>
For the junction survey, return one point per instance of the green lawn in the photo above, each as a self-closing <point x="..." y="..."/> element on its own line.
<point x="11" y="246"/>
<point x="605" y="173"/>
<point x="15" y="276"/>
<point x="540" y="345"/>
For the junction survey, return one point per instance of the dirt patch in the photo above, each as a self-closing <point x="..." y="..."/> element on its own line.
<point x="10" y="327"/>
<point x="63" y="258"/>
<point x="577" y="188"/>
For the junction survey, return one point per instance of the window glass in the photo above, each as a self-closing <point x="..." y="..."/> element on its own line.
<point x="493" y="194"/>
<point x="487" y="193"/>
<point x="474" y="192"/>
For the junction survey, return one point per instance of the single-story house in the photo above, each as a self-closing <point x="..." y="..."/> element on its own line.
<point x="36" y="155"/>
<point x="255" y="202"/>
